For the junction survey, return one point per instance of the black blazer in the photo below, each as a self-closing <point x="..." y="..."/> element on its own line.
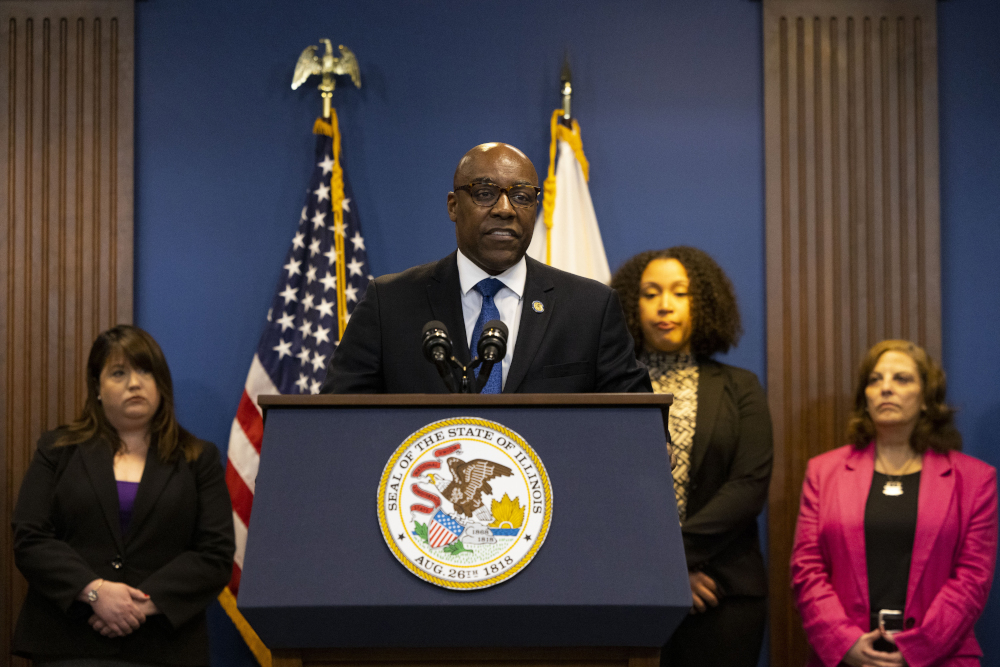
<point x="178" y="549"/>
<point x="577" y="343"/>
<point x="731" y="458"/>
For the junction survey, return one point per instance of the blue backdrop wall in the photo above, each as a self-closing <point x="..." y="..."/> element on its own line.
<point x="669" y="97"/>
<point x="969" y="62"/>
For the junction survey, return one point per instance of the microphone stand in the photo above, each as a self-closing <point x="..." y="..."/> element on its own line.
<point x="458" y="378"/>
<point x="461" y="379"/>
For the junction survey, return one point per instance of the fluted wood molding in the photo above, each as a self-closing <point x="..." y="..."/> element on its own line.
<point x="852" y="228"/>
<point x="66" y="238"/>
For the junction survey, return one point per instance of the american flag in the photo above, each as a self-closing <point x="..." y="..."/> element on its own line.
<point x="443" y="530"/>
<point x="302" y="325"/>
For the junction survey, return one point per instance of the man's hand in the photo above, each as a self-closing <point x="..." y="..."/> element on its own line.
<point x="704" y="592"/>
<point x="117" y="611"/>
<point x="863" y="653"/>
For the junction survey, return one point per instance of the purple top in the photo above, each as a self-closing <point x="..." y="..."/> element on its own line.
<point x="126" y="499"/>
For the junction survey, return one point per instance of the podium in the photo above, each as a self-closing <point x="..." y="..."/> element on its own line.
<point x="320" y="584"/>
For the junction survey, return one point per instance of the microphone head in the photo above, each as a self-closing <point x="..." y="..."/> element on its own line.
<point x="436" y="343"/>
<point x="493" y="341"/>
<point x="434" y="324"/>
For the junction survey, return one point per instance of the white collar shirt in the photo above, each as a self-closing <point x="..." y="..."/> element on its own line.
<point x="508" y="301"/>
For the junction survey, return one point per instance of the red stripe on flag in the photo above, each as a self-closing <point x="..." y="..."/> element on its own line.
<point x="240" y="494"/>
<point x="250" y="421"/>
<point x="234" y="581"/>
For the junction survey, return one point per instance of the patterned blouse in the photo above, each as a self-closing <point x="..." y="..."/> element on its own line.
<point x="677" y="374"/>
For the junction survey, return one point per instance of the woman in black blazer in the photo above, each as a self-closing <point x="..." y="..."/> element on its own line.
<point x="123" y="525"/>
<point x="681" y="309"/>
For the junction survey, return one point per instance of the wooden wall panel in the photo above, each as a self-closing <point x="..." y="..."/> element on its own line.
<point x="66" y="101"/>
<point x="852" y="227"/>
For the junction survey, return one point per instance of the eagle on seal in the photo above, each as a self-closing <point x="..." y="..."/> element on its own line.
<point x="469" y="482"/>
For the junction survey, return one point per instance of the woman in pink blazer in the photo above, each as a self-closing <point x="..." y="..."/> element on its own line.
<point x="897" y="520"/>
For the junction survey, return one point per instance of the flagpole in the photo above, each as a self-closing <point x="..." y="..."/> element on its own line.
<point x="566" y="83"/>
<point x="327" y="67"/>
<point x="332" y="129"/>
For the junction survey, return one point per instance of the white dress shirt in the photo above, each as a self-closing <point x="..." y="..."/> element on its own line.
<point x="508" y="301"/>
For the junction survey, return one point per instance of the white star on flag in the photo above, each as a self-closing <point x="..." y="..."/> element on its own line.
<point x="322" y="192"/>
<point x="303" y="382"/>
<point x="293" y="268"/>
<point x="326" y="164"/>
<point x="310" y="275"/>
<point x="351" y="293"/>
<point x="322" y="335"/>
<point x="359" y="243"/>
<point x="354" y="266"/>
<point x="325" y="308"/>
<point x="287" y="321"/>
<point x="346" y="205"/>
<point x="329" y="282"/>
<point x="303" y="355"/>
<point x="297" y="241"/>
<point x="290" y="294"/>
<point x="319" y="361"/>
<point x="306" y="329"/>
<point x="283" y="348"/>
<point x="319" y="220"/>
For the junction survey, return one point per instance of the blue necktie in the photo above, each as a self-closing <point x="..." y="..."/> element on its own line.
<point x="488" y="287"/>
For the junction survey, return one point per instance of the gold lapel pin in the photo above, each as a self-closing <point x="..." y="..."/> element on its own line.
<point x="537" y="306"/>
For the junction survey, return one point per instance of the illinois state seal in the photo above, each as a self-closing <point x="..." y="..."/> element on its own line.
<point x="464" y="503"/>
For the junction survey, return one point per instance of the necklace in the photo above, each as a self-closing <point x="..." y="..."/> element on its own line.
<point x="894" y="485"/>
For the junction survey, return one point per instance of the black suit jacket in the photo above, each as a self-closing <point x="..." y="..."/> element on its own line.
<point x="731" y="458"/>
<point x="178" y="549"/>
<point x="577" y="343"/>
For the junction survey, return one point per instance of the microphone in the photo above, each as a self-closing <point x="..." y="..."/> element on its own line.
<point x="437" y="344"/>
<point x="491" y="349"/>
<point x="437" y="347"/>
<point x="493" y="342"/>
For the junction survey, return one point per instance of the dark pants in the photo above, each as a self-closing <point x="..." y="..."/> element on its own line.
<point x="729" y="635"/>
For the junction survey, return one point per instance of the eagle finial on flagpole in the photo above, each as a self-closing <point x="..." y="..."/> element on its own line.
<point x="565" y="79"/>
<point x="327" y="66"/>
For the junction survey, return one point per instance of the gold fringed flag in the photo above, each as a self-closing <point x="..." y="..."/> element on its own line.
<point x="325" y="273"/>
<point x="566" y="233"/>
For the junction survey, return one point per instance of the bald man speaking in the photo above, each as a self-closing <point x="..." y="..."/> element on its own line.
<point x="566" y="333"/>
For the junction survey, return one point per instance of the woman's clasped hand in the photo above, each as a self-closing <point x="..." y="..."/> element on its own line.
<point x="864" y="653"/>
<point x="119" y="609"/>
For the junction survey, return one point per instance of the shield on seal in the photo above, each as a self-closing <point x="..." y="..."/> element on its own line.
<point x="443" y="530"/>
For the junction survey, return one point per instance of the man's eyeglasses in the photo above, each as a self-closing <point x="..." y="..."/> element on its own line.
<point x="487" y="194"/>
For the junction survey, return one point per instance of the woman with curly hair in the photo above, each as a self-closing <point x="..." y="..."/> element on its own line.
<point x="681" y="310"/>
<point x="897" y="532"/>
